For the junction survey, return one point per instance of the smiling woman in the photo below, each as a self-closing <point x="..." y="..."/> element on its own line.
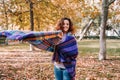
<point x="64" y="57"/>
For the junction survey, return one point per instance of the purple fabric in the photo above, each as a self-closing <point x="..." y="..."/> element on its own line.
<point x="66" y="52"/>
<point x="41" y="40"/>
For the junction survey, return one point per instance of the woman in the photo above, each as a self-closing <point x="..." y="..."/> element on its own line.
<point x="66" y="51"/>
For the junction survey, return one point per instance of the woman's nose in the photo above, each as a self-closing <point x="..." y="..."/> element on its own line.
<point x="65" y="26"/>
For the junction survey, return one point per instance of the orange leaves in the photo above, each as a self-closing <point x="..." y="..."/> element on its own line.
<point x="89" y="68"/>
<point x="35" y="65"/>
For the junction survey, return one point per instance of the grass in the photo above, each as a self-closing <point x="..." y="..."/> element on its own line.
<point x="91" y="47"/>
<point x="86" y="47"/>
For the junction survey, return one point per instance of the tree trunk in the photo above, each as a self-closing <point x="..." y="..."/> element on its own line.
<point x="104" y="15"/>
<point x="31" y="21"/>
<point x="31" y="16"/>
<point x="116" y="32"/>
<point x="86" y="28"/>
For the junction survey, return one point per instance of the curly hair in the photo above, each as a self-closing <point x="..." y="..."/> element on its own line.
<point x="60" y="24"/>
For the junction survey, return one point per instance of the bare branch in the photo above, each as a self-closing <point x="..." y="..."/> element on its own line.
<point x="85" y="30"/>
<point x="110" y="2"/>
<point x="16" y="13"/>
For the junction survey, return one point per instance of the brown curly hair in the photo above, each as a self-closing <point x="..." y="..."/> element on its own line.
<point x="60" y="24"/>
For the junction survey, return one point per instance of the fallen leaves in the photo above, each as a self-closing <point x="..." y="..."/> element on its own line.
<point x="26" y="65"/>
<point x="93" y="69"/>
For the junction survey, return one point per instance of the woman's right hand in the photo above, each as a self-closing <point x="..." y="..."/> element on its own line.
<point x="60" y="35"/>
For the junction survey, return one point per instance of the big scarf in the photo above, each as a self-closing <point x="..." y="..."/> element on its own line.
<point x="42" y="40"/>
<point x="66" y="52"/>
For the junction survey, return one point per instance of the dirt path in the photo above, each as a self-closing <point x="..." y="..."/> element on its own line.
<point x="15" y="57"/>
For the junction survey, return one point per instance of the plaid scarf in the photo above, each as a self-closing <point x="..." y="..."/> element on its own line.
<point x="42" y="40"/>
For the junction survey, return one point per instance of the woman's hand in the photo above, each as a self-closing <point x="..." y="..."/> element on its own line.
<point x="60" y="35"/>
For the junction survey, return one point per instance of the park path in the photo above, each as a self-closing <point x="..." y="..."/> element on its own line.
<point x="20" y="57"/>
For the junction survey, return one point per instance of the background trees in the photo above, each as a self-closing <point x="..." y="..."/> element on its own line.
<point x="47" y="12"/>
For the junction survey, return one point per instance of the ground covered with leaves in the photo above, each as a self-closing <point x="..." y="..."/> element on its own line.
<point x="37" y="65"/>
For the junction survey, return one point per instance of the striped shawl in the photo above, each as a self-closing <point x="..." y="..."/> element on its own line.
<point x="66" y="53"/>
<point x="42" y="40"/>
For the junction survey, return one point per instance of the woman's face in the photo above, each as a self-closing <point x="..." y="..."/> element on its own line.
<point x="66" y="26"/>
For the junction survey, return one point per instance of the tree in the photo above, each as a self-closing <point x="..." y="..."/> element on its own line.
<point x="31" y="20"/>
<point x="47" y="12"/>
<point x="31" y="15"/>
<point x="104" y="17"/>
